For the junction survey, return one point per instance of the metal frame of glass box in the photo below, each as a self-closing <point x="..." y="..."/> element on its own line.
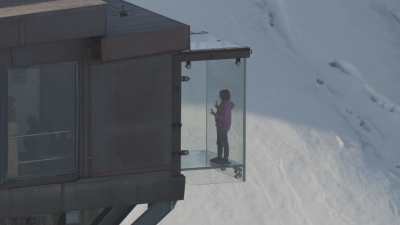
<point x="114" y="41"/>
<point x="196" y="165"/>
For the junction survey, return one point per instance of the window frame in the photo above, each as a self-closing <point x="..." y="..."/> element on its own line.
<point x="3" y="122"/>
<point x="23" y="181"/>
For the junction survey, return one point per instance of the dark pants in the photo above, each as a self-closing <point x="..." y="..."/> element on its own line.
<point x="222" y="143"/>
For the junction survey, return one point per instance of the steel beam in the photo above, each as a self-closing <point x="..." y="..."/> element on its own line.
<point x="155" y="213"/>
<point x="112" y="216"/>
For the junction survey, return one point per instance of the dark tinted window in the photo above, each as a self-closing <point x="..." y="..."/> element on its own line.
<point x="41" y="120"/>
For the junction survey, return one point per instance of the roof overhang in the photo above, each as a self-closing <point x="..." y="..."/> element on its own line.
<point x="215" y="54"/>
<point x="136" y="44"/>
<point x="121" y="30"/>
<point x="51" y="21"/>
<point x="140" y="32"/>
<point x="47" y="6"/>
<point x="206" y="47"/>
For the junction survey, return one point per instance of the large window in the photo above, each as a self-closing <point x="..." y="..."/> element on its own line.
<point x="42" y="118"/>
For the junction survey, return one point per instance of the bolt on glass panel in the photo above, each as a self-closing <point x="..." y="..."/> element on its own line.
<point x="213" y="117"/>
<point x="41" y="121"/>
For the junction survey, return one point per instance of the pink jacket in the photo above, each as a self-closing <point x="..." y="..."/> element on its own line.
<point x="223" y="116"/>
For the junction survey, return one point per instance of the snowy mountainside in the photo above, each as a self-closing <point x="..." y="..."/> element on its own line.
<point x="323" y="112"/>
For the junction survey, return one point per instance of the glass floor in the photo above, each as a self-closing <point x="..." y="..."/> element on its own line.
<point x="201" y="159"/>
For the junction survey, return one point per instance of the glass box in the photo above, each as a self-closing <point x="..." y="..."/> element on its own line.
<point x="213" y="120"/>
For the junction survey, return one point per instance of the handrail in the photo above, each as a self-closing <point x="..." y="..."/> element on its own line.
<point x="41" y="134"/>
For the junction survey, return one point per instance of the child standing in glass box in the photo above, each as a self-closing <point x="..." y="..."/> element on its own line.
<point x="223" y="120"/>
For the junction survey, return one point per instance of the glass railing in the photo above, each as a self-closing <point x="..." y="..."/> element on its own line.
<point x="39" y="154"/>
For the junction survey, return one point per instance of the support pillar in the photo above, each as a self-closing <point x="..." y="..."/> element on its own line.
<point x="155" y="213"/>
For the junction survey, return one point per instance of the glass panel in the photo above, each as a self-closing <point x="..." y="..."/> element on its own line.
<point x="213" y="117"/>
<point x="41" y="120"/>
<point x="194" y="115"/>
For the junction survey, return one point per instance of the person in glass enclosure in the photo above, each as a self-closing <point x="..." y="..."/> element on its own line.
<point x="223" y="120"/>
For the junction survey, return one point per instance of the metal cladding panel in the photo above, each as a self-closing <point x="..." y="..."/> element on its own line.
<point x="141" y="32"/>
<point x="70" y="50"/>
<point x="51" y="21"/>
<point x="145" y="43"/>
<point x="88" y="194"/>
<point x="124" y="190"/>
<point x="35" y="200"/>
<point x="29" y="7"/>
<point x="9" y="29"/>
<point x="135" y="19"/>
<point x="69" y="24"/>
<point x="4" y="208"/>
<point x="91" y="194"/>
<point x="131" y="111"/>
<point x="163" y="189"/>
<point x="8" y="3"/>
<point x="5" y="57"/>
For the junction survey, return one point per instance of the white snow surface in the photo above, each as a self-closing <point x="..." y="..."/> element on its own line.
<point x="323" y="112"/>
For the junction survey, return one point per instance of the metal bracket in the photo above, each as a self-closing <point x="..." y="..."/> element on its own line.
<point x="177" y="125"/>
<point x="238" y="61"/>
<point x="182" y="152"/>
<point x="185" y="78"/>
<point x="188" y="65"/>
<point x="112" y="216"/>
<point x="152" y="216"/>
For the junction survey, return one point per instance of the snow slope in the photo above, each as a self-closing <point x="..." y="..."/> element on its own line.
<point x="323" y="112"/>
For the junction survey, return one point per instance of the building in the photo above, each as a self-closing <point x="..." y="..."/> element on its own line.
<point x="92" y="104"/>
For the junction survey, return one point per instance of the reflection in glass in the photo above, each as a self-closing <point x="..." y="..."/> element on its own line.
<point x="41" y="120"/>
